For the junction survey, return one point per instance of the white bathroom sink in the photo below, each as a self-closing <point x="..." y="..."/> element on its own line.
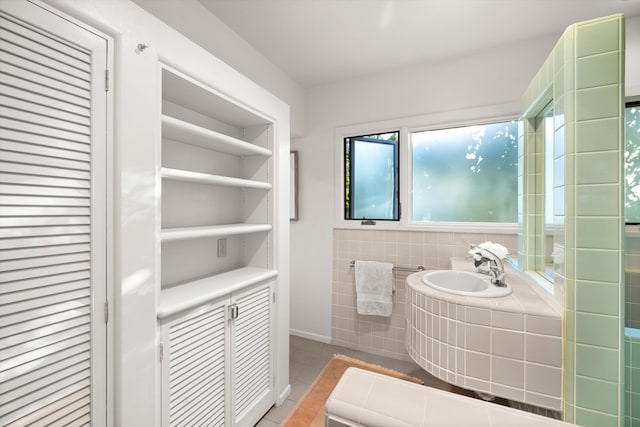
<point x="465" y="283"/>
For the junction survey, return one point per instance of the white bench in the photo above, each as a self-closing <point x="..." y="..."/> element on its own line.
<point x="364" y="398"/>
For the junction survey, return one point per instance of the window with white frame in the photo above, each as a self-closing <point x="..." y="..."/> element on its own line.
<point x="371" y="176"/>
<point x="465" y="174"/>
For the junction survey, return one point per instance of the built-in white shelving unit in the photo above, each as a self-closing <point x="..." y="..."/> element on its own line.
<point x="217" y="179"/>
<point x="217" y="175"/>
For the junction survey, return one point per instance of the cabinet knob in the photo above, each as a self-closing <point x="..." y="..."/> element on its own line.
<point x="142" y="47"/>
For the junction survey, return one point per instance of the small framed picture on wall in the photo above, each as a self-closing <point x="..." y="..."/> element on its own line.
<point x="293" y="176"/>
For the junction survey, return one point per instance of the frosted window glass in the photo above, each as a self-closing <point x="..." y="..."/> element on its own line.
<point x="466" y="174"/>
<point x="371" y="177"/>
<point x="632" y="163"/>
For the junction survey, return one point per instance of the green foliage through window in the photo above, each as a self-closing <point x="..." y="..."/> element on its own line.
<point x="632" y="163"/>
<point x="466" y="174"/>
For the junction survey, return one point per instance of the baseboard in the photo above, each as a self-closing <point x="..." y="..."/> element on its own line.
<point x="283" y="396"/>
<point x="310" y="336"/>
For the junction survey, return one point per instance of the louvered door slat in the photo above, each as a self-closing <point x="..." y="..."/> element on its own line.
<point x="32" y="242"/>
<point x="18" y="77"/>
<point x="40" y="306"/>
<point x="23" y="64"/>
<point x="252" y="362"/>
<point x="61" y="335"/>
<point x="74" y="101"/>
<point x="57" y="410"/>
<point x="41" y="129"/>
<point x="49" y="378"/>
<point x="41" y="160"/>
<point x="28" y="263"/>
<point x="42" y="282"/>
<point x="33" y="336"/>
<point x="43" y="191"/>
<point x="25" y="179"/>
<point x="79" y="417"/>
<point x="190" y="395"/>
<point x="43" y="221"/>
<point x="44" y="104"/>
<point x="182" y="363"/>
<point x="41" y="150"/>
<point x="192" y="362"/>
<point x="184" y="350"/>
<point x="42" y="271"/>
<point x="36" y="39"/>
<point x="43" y="201"/>
<point x="45" y="353"/>
<point x="43" y="231"/>
<point x="200" y="364"/>
<point x="32" y="169"/>
<point x="42" y="322"/>
<point x="44" y="397"/>
<point x="43" y="140"/>
<point x="15" y="113"/>
<point x="35" y="375"/>
<point x="40" y="59"/>
<point x="13" y="376"/>
<point x="28" y="105"/>
<point x="19" y="59"/>
<point x="196" y="367"/>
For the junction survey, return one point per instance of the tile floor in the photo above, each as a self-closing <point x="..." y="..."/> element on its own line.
<point x="308" y="357"/>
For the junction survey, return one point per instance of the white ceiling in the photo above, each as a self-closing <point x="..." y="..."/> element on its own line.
<point x="320" y="41"/>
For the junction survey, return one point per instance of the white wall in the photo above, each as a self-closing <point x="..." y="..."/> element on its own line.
<point x="499" y="76"/>
<point x="195" y="21"/>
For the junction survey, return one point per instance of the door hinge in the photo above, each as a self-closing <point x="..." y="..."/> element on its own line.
<point x="106" y="80"/>
<point x="161" y="352"/>
<point x="106" y="312"/>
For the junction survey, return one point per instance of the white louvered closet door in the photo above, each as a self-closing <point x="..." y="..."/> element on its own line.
<point x="251" y="354"/>
<point x="194" y="390"/>
<point x="53" y="218"/>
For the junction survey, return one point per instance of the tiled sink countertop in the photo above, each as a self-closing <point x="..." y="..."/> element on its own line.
<point x="508" y="346"/>
<point x="524" y="299"/>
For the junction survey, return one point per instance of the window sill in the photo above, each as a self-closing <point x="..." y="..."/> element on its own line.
<point x="442" y="227"/>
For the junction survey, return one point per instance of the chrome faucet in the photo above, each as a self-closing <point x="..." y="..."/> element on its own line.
<point x="496" y="267"/>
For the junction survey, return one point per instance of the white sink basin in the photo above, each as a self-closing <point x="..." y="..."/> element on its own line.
<point x="465" y="283"/>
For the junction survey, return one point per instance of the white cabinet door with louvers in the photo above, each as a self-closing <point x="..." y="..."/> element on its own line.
<point x="53" y="219"/>
<point x="251" y="354"/>
<point x="217" y="361"/>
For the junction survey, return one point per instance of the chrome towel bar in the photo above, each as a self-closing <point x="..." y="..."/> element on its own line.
<point x="352" y="264"/>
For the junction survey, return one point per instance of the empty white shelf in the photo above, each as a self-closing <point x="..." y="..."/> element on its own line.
<point x="205" y="178"/>
<point x="179" y="130"/>
<point x="181" y="233"/>
<point x="194" y="293"/>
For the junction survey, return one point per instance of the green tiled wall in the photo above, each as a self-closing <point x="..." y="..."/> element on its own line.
<point x="584" y="74"/>
<point x="632" y="380"/>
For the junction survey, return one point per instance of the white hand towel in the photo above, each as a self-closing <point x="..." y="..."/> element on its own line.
<point x="374" y="287"/>
<point x="496" y="248"/>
